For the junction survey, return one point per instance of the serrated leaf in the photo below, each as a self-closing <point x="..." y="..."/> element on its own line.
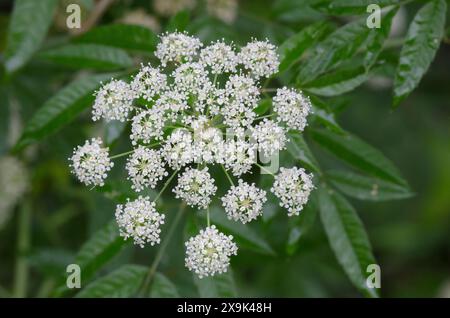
<point x="422" y="41"/>
<point x="349" y="7"/>
<point x="61" y="109"/>
<point x="124" y="36"/>
<point x="348" y="238"/>
<point x="93" y="56"/>
<point x="358" y="154"/>
<point x="242" y="232"/>
<point x="218" y="286"/>
<point x="337" y="83"/>
<point x="299" y="149"/>
<point x="322" y="113"/>
<point x="162" y="287"/>
<point x="28" y="27"/>
<point x="294" y="47"/>
<point x="121" y="283"/>
<point x="99" y="250"/>
<point x="366" y="188"/>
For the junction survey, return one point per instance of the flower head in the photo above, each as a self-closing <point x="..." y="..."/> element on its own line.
<point x="239" y="156"/>
<point x="149" y="83"/>
<point x="147" y="125"/>
<point x="270" y="137"/>
<point x="209" y="252"/>
<point x="220" y="57"/>
<point x="139" y="220"/>
<point x="244" y="202"/>
<point x="293" y="186"/>
<point x="91" y="163"/>
<point x="178" y="149"/>
<point x="113" y="101"/>
<point x="195" y="187"/>
<point x="292" y="108"/>
<point x="145" y="168"/>
<point x="177" y="47"/>
<point x="260" y="57"/>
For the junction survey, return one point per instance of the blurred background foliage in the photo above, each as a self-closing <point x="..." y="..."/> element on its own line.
<point x="46" y="216"/>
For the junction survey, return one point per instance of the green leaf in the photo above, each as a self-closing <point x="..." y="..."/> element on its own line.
<point x="294" y="47"/>
<point x="124" y="36"/>
<point x="162" y="287"/>
<point x="241" y="232"/>
<point x="99" y="250"/>
<point x="28" y="27"/>
<point x="339" y="46"/>
<point x="302" y="224"/>
<point x="121" y="283"/>
<point x="263" y="106"/>
<point x="349" y="7"/>
<point x="337" y="83"/>
<point x="322" y="114"/>
<point x="348" y="238"/>
<point x="366" y="188"/>
<point x="94" y="56"/>
<point x="299" y="149"/>
<point x="422" y="41"/>
<point x="358" y="154"/>
<point x="61" y="109"/>
<point x="179" y="22"/>
<point x="218" y="286"/>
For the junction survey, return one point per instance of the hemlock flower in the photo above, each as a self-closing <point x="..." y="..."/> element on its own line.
<point x="209" y="252"/>
<point x="113" y="101"/>
<point x="293" y="187"/>
<point x="193" y="111"/>
<point x="195" y="187"/>
<point x="145" y="168"/>
<point x="91" y="163"/>
<point x="139" y="220"/>
<point x="292" y="108"/>
<point x="244" y="202"/>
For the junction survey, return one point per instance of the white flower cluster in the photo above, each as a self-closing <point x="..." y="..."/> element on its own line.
<point x="139" y="220"/>
<point x="193" y="111"/>
<point x="91" y="163"/>
<point x="195" y="187"/>
<point x="293" y="186"/>
<point x="209" y="252"/>
<point x="244" y="202"/>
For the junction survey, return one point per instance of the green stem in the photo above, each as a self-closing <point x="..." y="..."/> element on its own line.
<point x="165" y="186"/>
<point x="228" y="176"/>
<point x="165" y="243"/>
<point x="263" y="168"/>
<point x="121" y="154"/>
<point x="208" y="223"/>
<point x="23" y="246"/>
<point x="266" y="116"/>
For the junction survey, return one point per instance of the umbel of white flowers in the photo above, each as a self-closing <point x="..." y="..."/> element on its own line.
<point x="179" y="112"/>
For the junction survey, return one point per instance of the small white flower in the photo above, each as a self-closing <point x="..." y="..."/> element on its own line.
<point x="260" y="57"/>
<point x="113" y="101"/>
<point x="190" y="78"/>
<point x="292" y="108"/>
<point x="220" y="57"/>
<point x="270" y="137"/>
<point x="145" y="168"/>
<point x="208" y="140"/>
<point x="139" y="220"/>
<point x="195" y="187"/>
<point x="244" y="202"/>
<point x="177" y="47"/>
<point x="173" y="103"/>
<point x="91" y="163"/>
<point x="239" y="156"/>
<point x="148" y="83"/>
<point x="147" y="125"/>
<point x="209" y="252"/>
<point x="293" y="187"/>
<point x="178" y="149"/>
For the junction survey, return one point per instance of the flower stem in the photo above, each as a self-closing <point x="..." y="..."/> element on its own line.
<point x="266" y="116"/>
<point x="165" y="186"/>
<point x="121" y="154"/>
<point x="208" y="222"/>
<point x="157" y="260"/>
<point x="228" y="176"/>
